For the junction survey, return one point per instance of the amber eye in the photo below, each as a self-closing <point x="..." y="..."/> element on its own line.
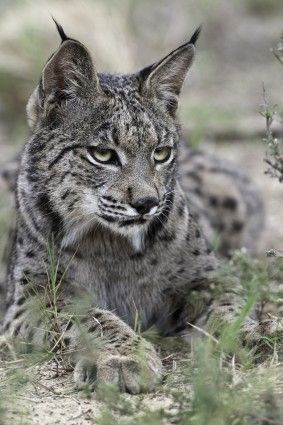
<point x="106" y="156"/>
<point x="162" y="154"/>
<point x="102" y="155"/>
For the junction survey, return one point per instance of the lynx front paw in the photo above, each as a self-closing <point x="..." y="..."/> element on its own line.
<point x="134" y="373"/>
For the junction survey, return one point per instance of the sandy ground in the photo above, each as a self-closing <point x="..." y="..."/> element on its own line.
<point x="51" y="399"/>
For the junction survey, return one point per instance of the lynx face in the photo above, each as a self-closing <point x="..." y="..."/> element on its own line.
<point x="131" y="158"/>
<point x="110" y="157"/>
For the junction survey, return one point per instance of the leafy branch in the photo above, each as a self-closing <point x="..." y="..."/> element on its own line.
<point x="274" y="155"/>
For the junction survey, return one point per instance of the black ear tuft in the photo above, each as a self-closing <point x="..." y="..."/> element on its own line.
<point x="195" y="36"/>
<point x="62" y="34"/>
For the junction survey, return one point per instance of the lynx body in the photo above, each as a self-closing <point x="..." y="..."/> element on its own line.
<point x="98" y="182"/>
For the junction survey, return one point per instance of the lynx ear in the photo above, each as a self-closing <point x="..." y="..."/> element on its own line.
<point x="68" y="75"/>
<point x="164" y="79"/>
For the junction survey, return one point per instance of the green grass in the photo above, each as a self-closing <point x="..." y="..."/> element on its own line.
<point x="263" y="7"/>
<point x="219" y="382"/>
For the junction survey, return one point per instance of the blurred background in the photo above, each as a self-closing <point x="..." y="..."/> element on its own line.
<point x="222" y="95"/>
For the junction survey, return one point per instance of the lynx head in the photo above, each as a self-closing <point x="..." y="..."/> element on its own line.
<point x="103" y="147"/>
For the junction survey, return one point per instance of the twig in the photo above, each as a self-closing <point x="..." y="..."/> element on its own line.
<point x="203" y="332"/>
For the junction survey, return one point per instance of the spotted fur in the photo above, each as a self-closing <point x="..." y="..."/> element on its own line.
<point x="130" y="262"/>
<point x="227" y="203"/>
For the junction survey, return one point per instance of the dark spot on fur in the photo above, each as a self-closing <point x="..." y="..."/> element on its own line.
<point x="71" y="204"/>
<point x="96" y="186"/>
<point x="21" y="300"/>
<point x="115" y="136"/>
<point x="196" y="252"/>
<point x="220" y="226"/>
<point x="200" y="167"/>
<point x="47" y="210"/>
<point x="65" y="194"/>
<point x="30" y="335"/>
<point x="30" y="254"/>
<point x="17" y="329"/>
<point x="130" y="193"/>
<point x="19" y="313"/>
<point x="7" y="325"/>
<point x="194" y="216"/>
<point x="197" y="191"/>
<point x="237" y="226"/>
<point x="64" y="175"/>
<point x="154" y="261"/>
<point x="110" y="199"/>
<point x="214" y="202"/>
<point x="124" y="338"/>
<point x="198" y="233"/>
<point x="230" y="203"/>
<point x="194" y="176"/>
<point x="32" y="175"/>
<point x="117" y="207"/>
<point x="24" y="281"/>
<point x="167" y="236"/>
<point x="214" y="170"/>
<point x="181" y="270"/>
<point x="209" y="268"/>
<point x="109" y="218"/>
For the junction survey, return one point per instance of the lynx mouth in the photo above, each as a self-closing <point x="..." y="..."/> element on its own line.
<point x="126" y="220"/>
<point x="122" y="217"/>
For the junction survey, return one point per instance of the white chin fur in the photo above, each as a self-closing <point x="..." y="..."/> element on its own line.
<point x="136" y="237"/>
<point x="78" y="230"/>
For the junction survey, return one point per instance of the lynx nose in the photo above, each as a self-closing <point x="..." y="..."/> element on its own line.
<point x="144" y="205"/>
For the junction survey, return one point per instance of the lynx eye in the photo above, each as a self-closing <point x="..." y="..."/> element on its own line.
<point x="162" y="154"/>
<point x="106" y="156"/>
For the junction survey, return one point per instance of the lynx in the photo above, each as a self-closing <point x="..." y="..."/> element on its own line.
<point x="100" y="180"/>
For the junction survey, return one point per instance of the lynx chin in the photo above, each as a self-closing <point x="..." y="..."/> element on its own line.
<point x="130" y="212"/>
